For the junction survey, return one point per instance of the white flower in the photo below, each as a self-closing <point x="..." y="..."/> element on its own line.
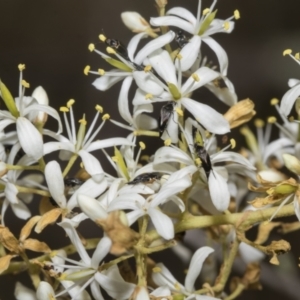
<point x="163" y="277"/>
<point x="171" y="88"/>
<point x="140" y="205"/>
<point x="201" y="28"/>
<point x="82" y="143"/>
<point x="87" y="269"/>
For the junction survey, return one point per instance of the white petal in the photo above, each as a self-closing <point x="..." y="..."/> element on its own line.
<point x="131" y="48"/>
<point x="170" y="154"/>
<point x="21" y="210"/>
<point x="92" y="165"/>
<point x="227" y="156"/>
<point x="220" y="53"/>
<point x="217" y="25"/>
<point x="207" y="116"/>
<point x="154" y="45"/>
<point x="161" y="291"/>
<point x="219" y="191"/>
<point x="45" y="291"/>
<point x="189" y="53"/>
<point x="133" y="21"/>
<point x="91" y="207"/>
<point x="292" y="82"/>
<point x="162" y="223"/>
<point x="173" y="21"/>
<point x="101" y="251"/>
<point x="289" y="99"/>
<point x="297" y="207"/>
<point x="103" y="83"/>
<point x="161" y="61"/>
<point x="24" y="293"/>
<point x="146" y="83"/>
<point x="134" y="215"/>
<point x="55" y="183"/>
<point x="115" y="288"/>
<point x="73" y="235"/>
<point x="123" y="103"/>
<point x="30" y="138"/>
<point x="40" y="95"/>
<point x="205" y="75"/>
<point x="195" y="267"/>
<point x="11" y="192"/>
<point x="182" y="13"/>
<point x="111" y="142"/>
<point x="96" y="292"/>
<point x="250" y="254"/>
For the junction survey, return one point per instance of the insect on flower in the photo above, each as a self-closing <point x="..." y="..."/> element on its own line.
<point x="71" y="184"/>
<point x="149" y="179"/>
<point x="204" y="157"/>
<point x="166" y="113"/>
<point x="118" y="47"/>
<point x="181" y="39"/>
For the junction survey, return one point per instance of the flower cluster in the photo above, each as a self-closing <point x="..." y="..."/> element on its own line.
<point x="193" y="180"/>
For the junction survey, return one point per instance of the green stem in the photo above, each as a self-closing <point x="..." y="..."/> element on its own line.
<point x="70" y="164"/>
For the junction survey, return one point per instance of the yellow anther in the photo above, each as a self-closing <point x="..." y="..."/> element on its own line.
<point x="102" y="38"/>
<point x="114" y="158"/>
<point x="70" y="103"/>
<point x="168" y="142"/>
<point x="110" y="50"/>
<point x="25" y="83"/>
<point x="147" y="68"/>
<point x="106" y="117"/>
<point x="233" y="143"/>
<point x="148" y="96"/>
<point x="101" y="72"/>
<point x="226" y="25"/>
<point x="297" y="56"/>
<point x="177" y="286"/>
<point x="91" y="47"/>
<point x="145" y="158"/>
<point x="53" y="253"/>
<point x="291" y="118"/>
<point x="272" y="120"/>
<point x="198" y="161"/>
<point x="196" y="77"/>
<point x="81" y="165"/>
<point x="99" y="108"/>
<point x="21" y="67"/>
<point x="156" y="270"/>
<point x="205" y="11"/>
<point x="274" y="101"/>
<point x="82" y="121"/>
<point x="236" y="14"/>
<point x="86" y="70"/>
<point x="179" y="56"/>
<point x="179" y="111"/>
<point x="259" y="123"/>
<point x="136" y="133"/>
<point x="142" y="145"/>
<point x="63" y="109"/>
<point x="287" y="52"/>
<point x="62" y="276"/>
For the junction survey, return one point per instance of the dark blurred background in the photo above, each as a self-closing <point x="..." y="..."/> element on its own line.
<point x="51" y="37"/>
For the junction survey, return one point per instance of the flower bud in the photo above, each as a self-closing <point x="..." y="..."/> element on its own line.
<point x="292" y="163"/>
<point x="40" y="95"/>
<point x="161" y="3"/>
<point x="134" y="21"/>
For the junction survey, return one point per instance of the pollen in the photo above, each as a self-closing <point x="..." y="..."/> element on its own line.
<point x="272" y="120"/>
<point x="179" y="56"/>
<point x="106" y="117"/>
<point x="226" y="25"/>
<point x="102" y="38"/>
<point x="287" y="52"/>
<point x="25" y="83"/>
<point x="179" y="111"/>
<point x="21" y="67"/>
<point x="259" y="123"/>
<point x="274" y="101"/>
<point x="205" y="11"/>
<point x="156" y="270"/>
<point x="110" y="50"/>
<point x="82" y="121"/>
<point x="297" y="56"/>
<point x="142" y="145"/>
<point x="99" y="108"/>
<point x="167" y="142"/>
<point x="236" y="14"/>
<point x="147" y="69"/>
<point x="196" y="77"/>
<point x="232" y="143"/>
<point x="86" y="70"/>
<point x="91" y="47"/>
<point x="148" y="96"/>
<point x="70" y="103"/>
<point x="63" y="109"/>
<point x="101" y="72"/>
